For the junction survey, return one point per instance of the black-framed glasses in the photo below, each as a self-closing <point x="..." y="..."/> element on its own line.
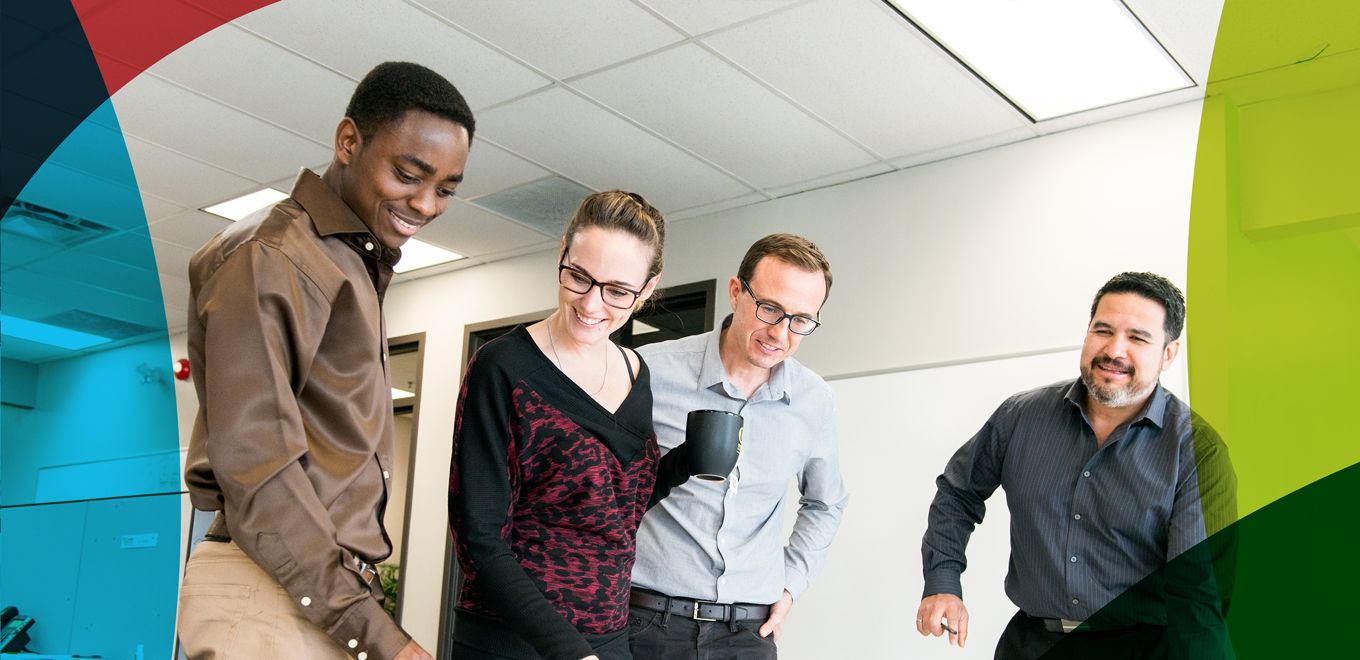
<point x="578" y="281"/>
<point x="774" y="314"/>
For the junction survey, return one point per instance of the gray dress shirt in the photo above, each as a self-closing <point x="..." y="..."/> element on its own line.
<point x="1087" y="523"/>
<point x="724" y="542"/>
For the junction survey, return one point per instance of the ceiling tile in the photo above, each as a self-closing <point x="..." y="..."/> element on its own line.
<point x="190" y="229"/>
<point x="473" y="232"/>
<point x="700" y="16"/>
<point x="171" y="258"/>
<point x="696" y="99"/>
<point x="561" y="38"/>
<point x="602" y="151"/>
<point x="392" y="30"/>
<point x="492" y="169"/>
<point x="865" y="70"/>
<point x="158" y="209"/>
<point x="178" y="119"/>
<point x="706" y="209"/>
<point x="249" y="73"/>
<point x="60" y="295"/>
<point x="180" y="179"/>
<point x="831" y="179"/>
<point x="115" y="276"/>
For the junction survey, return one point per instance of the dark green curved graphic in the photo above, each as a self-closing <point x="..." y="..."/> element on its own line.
<point x="1274" y="313"/>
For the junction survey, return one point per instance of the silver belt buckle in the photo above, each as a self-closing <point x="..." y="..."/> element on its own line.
<point x="367" y="572"/>
<point x="1069" y="625"/>
<point x="696" y="616"/>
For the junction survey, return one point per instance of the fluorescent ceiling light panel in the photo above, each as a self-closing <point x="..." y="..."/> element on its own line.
<point x="1053" y="57"/>
<point x="401" y="394"/>
<point x="240" y="207"/>
<point x="419" y="254"/>
<point x="51" y="335"/>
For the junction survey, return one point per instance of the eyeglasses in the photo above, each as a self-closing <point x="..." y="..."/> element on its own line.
<point x="577" y="281"/>
<point x="774" y="314"/>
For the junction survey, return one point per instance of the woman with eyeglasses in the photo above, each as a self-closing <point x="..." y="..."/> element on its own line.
<point x="554" y="456"/>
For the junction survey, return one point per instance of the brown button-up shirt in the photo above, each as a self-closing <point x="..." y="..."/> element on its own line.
<point x="294" y="431"/>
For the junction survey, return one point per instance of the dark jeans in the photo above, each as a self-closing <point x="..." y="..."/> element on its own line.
<point x="1025" y="639"/>
<point x="656" y="636"/>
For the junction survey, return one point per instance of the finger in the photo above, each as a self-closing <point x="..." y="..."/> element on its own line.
<point x="920" y="618"/>
<point x="963" y="628"/>
<point x="766" y="629"/>
<point x="933" y="619"/>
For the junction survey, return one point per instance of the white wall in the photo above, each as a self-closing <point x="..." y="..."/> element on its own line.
<point x="991" y="254"/>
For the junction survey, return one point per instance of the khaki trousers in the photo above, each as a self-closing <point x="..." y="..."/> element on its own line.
<point x="230" y="608"/>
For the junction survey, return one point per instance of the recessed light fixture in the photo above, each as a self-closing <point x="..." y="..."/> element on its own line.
<point x="240" y="207"/>
<point x="51" y="335"/>
<point x="1052" y="57"/>
<point x="419" y="254"/>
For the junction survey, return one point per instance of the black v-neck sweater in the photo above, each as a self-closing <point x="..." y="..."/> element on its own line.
<point x="546" y="492"/>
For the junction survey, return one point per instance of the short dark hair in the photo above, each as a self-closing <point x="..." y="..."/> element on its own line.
<point x="1154" y="287"/>
<point x="791" y="249"/>
<point x="392" y="88"/>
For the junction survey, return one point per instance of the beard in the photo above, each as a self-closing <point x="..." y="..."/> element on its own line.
<point x="1115" y="397"/>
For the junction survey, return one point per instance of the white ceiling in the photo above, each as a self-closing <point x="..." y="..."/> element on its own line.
<point x="696" y="104"/>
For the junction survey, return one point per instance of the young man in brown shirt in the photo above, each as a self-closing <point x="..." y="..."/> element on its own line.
<point x="293" y="444"/>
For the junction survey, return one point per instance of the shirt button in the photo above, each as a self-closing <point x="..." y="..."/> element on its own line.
<point x="1075" y="601"/>
<point x="1074" y="560"/>
<point x="363" y="655"/>
<point x="1086" y="473"/>
<point x="353" y="643"/>
<point x="306" y="601"/>
<point x="388" y="476"/>
<point x="1077" y="517"/>
<point x="367" y="246"/>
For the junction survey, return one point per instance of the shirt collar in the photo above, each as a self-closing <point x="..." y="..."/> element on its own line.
<point x="332" y="216"/>
<point x="712" y="372"/>
<point x="1154" y="411"/>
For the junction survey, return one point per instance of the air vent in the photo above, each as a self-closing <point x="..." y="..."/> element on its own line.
<point x="51" y="226"/>
<point x="96" y="324"/>
<point x="545" y="204"/>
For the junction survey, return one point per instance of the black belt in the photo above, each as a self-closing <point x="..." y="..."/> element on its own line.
<point x="699" y="610"/>
<point x="1070" y="626"/>
<point x="1058" y="625"/>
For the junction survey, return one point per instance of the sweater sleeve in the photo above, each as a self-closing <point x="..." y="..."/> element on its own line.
<point x="481" y="498"/>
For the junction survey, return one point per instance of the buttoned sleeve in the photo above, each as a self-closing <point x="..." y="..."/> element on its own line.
<point x="263" y="320"/>
<point x="480" y="500"/>
<point x="970" y="477"/>
<point x="820" y="507"/>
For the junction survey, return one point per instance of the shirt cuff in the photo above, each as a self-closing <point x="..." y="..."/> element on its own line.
<point x="942" y="581"/>
<point x="794" y="582"/>
<point x="367" y="633"/>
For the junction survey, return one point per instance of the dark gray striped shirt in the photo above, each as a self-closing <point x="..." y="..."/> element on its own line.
<point x="1087" y="523"/>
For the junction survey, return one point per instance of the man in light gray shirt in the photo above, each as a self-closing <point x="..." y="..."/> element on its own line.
<point x="715" y="576"/>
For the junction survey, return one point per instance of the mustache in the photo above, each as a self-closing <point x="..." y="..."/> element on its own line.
<point x="1111" y="363"/>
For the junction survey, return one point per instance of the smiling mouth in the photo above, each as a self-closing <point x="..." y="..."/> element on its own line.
<point x="408" y="226"/>
<point x="586" y="321"/>
<point x="769" y="347"/>
<point x="1113" y="369"/>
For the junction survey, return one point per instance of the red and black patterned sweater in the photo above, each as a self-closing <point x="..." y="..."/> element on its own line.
<point x="546" y="492"/>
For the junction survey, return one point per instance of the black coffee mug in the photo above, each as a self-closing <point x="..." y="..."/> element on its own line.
<point x="714" y="441"/>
